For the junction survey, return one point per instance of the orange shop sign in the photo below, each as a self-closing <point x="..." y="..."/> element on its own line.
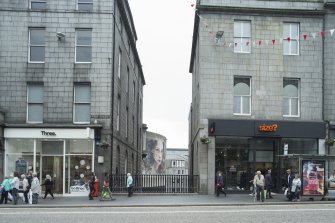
<point x="268" y="128"/>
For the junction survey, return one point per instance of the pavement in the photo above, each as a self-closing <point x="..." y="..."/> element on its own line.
<point x="167" y="200"/>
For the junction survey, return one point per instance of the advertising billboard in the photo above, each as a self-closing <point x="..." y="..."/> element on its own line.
<point x="154" y="162"/>
<point x="313" y="173"/>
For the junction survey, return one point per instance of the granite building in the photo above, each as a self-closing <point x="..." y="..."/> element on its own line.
<point x="71" y="89"/>
<point x="262" y="89"/>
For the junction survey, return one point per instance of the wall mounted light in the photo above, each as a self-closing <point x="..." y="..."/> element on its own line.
<point x="219" y="36"/>
<point x="60" y="36"/>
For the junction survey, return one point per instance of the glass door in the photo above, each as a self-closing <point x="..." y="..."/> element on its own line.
<point x="52" y="164"/>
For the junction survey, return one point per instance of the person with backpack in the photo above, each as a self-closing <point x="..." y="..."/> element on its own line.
<point x="6" y="187"/>
<point x="220" y="184"/>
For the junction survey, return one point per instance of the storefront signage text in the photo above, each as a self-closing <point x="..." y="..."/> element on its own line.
<point x="44" y="133"/>
<point x="268" y="128"/>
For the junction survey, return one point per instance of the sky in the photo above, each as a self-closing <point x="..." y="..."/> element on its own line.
<point x="164" y="31"/>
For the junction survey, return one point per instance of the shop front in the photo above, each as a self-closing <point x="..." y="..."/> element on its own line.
<point x="67" y="155"/>
<point x="245" y="146"/>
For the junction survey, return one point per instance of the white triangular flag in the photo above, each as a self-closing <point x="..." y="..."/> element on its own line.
<point x="314" y="35"/>
<point x="332" y="32"/>
<point x="229" y="45"/>
<point x="281" y="40"/>
<point x="267" y="42"/>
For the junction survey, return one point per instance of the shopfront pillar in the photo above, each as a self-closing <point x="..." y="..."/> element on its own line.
<point x="211" y="166"/>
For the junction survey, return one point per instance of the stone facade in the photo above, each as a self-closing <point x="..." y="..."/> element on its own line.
<point x="112" y="30"/>
<point x="214" y="66"/>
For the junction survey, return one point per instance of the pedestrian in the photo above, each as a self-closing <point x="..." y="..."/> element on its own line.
<point x="252" y="187"/>
<point x="220" y="184"/>
<point x="296" y="186"/>
<point x="331" y="180"/>
<point x="129" y="184"/>
<point x="91" y="183"/>
<point x="289" y="179"/>
<point x="35" y="188"/>
<point x="259" y="182"/>
<point x="5" y="190"/>
<point x="268" y="184"/>
<point x="28" y="193"/>
<point x="25" y="189"/>
<point x="48" y="183"/>
<point x="16" y="186"/>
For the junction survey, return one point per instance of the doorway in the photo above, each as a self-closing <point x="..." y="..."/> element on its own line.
<point x="52" y="164"/>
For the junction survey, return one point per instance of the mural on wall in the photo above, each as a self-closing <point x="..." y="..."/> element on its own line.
<point x="154" y="162"/>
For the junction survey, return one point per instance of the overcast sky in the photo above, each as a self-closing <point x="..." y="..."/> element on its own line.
<point x="164" y="31"/>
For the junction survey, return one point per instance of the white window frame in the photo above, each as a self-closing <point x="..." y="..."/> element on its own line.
<point x="128" y="81"/>
<point x="33" y="103"/>
<point x="83" y="2"/>
<point x="126" y="120"/>
<point x="239" y="47"/>
<point x="292" y="98"/>
<point x="32" y="45"/>
<point x="118" y="117"/>
<point x="134" y="96"/>
<point x="241" y="97"/>
<point x="292" y="39"/>
<point x="77" y="45"/>
<point x="37" y="1"/>
<point x="81" y="102"/>
<point x="119" y="64"/>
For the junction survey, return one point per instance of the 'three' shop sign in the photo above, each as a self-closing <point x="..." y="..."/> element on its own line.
<point x="268" y="128"/>
<point x="45" y="133"/>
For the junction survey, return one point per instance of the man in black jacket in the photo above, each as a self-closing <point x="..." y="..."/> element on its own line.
<point x="268" y="184"/>
<point x="289" y="179"/>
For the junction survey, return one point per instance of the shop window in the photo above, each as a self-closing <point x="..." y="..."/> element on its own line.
<point x="85" y="5"/>
<point x="82" y="103"/>
<point x="83" y="45"/>
<point x="242" y="36"/>
<point x="36" y="45"/>
<point x="291" y="97"/>
<point x="19" y="156"/>
<point x="242" y="95"/>
<point x="35" y="103"/>
<point x="291" y="38"/>
<point x="300" y="146"/>
<point x="38" y="5"/>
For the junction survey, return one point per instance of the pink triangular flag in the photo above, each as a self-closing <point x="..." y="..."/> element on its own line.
<point x="323" y="34"/>
<point x="305" y="37"/>
<point x="273" y="41"/>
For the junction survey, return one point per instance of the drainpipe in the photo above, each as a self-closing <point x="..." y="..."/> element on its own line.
<point x="112" y="92"/>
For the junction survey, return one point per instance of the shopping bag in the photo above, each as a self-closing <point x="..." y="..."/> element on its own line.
<point x="285" y="192"/>
<point x="30" y="197"/>
<point x="265" y="192"/>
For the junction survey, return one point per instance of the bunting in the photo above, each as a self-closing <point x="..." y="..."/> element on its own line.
<point x="314" y="35"/>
